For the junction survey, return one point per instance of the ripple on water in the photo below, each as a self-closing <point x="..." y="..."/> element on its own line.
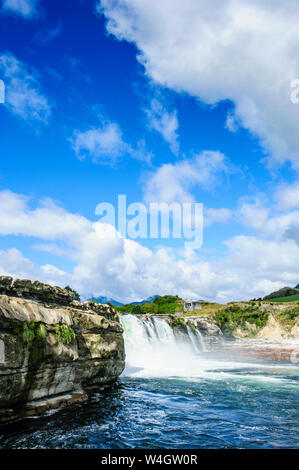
<point x="243" y="408"/>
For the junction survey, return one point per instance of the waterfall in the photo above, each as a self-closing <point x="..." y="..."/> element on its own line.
<point x="196" y="340"/>
<point x="164" y="331"/>
<point x="152" y="348"/>
<point x="201" y="340"/>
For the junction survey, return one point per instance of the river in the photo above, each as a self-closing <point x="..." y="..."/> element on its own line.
<point x="173" y="395"/>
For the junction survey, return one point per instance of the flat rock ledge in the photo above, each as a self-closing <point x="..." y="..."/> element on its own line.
<point x="53" y="348"/>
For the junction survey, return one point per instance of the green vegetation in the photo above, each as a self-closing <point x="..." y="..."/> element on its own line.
<point x="34" y="335"/>
<point x="31" y="331"/>
<point x="178" y="323"/>
<point x="168" y="305"/>
<point x="65" y="333"/>
<point x="76" y="296"/>
<point x="46" y="296"/>
<point x="289" y="317"/>
<point x="285" y="292"/>
<point x="233" y="317"/>
<point x="289" y="298"/>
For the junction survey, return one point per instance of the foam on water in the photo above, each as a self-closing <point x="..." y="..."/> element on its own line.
<point x="172" y="396"/>
<point x="153" y="350"/>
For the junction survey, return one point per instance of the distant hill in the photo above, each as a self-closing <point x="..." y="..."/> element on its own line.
<point x="146" y="301"/>
<point x="297" y="287"/>
<point x="106" y="300"/>
<point x="284" y="292"/>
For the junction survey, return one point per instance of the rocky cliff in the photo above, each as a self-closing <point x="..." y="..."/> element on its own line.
<point x="53" y="348"/>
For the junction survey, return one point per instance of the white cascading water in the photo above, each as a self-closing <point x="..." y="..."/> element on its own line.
<point x="196" y="340"/>
<point x="152" y="349"/>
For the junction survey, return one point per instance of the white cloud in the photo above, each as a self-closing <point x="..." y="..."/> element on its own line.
<point x="47" y="221"/>
<point x="25" y="8"/>
<point x="231" y="122"/>
<point x="23" y="96"/>
<point x="241" y="50"/>
<point x="173" y="182"/>
<point x="287" y="196"/>
<point x="254" y="214"/>
<point x="219" y="215"/>
<point x="107" y="264"/>
<point x="268" y="222"/>
<point x="105" y="144"/>
<point x="13" y="262"/>
<point x="165" y="123"/>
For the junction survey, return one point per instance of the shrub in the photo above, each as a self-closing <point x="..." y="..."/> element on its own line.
<point x="76" y="296"/>
<point x="31" y="331"/>
<point x="65" y="333"/>
<point x="233" y="317"/>
<point x="34" y="335"/>
<point x="178" y="322"/>
<point x="289" y="317"/>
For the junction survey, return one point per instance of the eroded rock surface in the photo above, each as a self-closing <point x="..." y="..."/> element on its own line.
<point x="53" y="348"/>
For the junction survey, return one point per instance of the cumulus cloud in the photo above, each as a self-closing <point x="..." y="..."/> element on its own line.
<point x="107" y="264"/>
<point x="25" y="8"/>
<point x="287" y="196"/>
<point x="47" y="221"/>
<point x="239" y="50"/>
<point x="219" y="215"/>
<point x="165" y="123"/>
<point x="24" y="97"/>
<point x="105" y="144"/>
<point x="268" y="222"/>
<point x="173" y="182"/>
<point x="13" y="263"/>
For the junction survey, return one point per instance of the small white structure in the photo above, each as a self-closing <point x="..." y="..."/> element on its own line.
<point x="190" y="305"/>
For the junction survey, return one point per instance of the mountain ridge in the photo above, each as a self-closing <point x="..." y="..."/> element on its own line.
<point x="106" y="300"/>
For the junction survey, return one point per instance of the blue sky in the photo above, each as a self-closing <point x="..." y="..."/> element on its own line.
<point x="108" y="97"/>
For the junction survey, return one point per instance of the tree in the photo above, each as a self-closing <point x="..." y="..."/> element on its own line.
<point x="76" y="296"/>
<point x="137" y="310"/>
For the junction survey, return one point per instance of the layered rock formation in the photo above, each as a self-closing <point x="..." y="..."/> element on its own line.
<point x="53" y="348"/>
<point x="207" y="327"/>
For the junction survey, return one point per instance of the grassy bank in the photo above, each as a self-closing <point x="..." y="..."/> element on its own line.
<point x="290" y="298"/>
